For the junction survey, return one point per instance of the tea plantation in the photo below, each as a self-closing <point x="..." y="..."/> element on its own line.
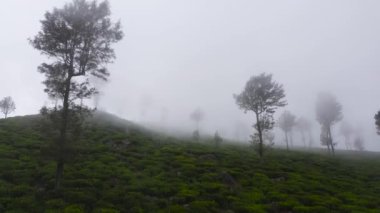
<point x="120" y="168"/>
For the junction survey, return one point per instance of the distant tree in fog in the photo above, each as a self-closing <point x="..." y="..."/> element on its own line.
<point x="346" y="131"/>
<point x="217" y="139"/>
<point x="196" y="135"/>
<point x="359" y="143"/>
<point x="262" y="96"/>
<point x="77" y="39"/>
<point x="377" y="122"/>
<point x="304" y="127"/>
<point x="328" y="112"/>
<point x="197" y="116"/>
<point x="286" y="122"/>
<point x="7" y="106"/>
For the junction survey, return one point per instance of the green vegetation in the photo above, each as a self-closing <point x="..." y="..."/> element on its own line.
<point x="120" y="168"/>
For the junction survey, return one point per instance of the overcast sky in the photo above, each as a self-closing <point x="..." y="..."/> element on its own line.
<point x="179" y="55"/>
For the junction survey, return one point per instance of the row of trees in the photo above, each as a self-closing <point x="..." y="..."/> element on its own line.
<point x="262" y="95"/>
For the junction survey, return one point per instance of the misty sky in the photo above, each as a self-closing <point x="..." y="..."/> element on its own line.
<point x="179" y="55"/>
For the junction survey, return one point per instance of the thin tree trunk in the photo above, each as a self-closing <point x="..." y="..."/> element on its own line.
<point x="62" y="135"/>
<point x="286" y="140"/>
<point x="291" y="138"/>
<point x="331" y="140"/>
<point x="303" y="138"/>
<point x="260" y="135"/>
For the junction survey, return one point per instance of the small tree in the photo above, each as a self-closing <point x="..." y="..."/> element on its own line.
<point x="7" y="106"/>
<point x="197" y="116"/>
<point x="303" y="125"/>
<point x="217" y="139"/>
<point x="262" y="96"/>
<point x="328" y="112"/>
<point x="346" y="130"/>
<point x="286" y="122"/>
<point x="359" y="143"/>
<point x="77" y="40"/>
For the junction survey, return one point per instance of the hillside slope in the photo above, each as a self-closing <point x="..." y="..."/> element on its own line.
<point x="120" y="168"/>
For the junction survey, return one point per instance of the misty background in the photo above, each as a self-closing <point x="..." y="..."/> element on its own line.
<point x="181" y="55"/>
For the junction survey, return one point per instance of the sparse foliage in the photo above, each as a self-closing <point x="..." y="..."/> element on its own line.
<point x="262" y="96"/>
<point x="77" y="39"/>
<point x="7" y="106"/>
<point x="286" y="122"/>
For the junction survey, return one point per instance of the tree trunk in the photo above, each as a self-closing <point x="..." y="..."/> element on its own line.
<point x="291" y="138"/>
<point x="260" y="135"/>
<point x="286" y="141"/>
<point x="303" y="138"/>
<point x="62" y="135"/>
<point x="331" y="140"/>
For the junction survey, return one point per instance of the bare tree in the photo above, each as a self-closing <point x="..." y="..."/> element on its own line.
<point x="7" y="106"/>
<point x="328" y="112"/>
<point x="303" y="125"/>
<point x="262" y="96"/>
<point x="286" y="122"/>
<point x="77" y="40"/>
<point x="346" y="131"/>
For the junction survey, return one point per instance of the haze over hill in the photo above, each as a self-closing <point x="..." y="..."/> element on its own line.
<point x="178" y="56"/>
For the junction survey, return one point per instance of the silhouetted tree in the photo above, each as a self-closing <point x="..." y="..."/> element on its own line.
<point x="262" y="96"/>
<point x="7" y="106"/>
<point x="304" y="126"/>
<point x="286" y="122"/>
<point x="328" y="112"/>
<point x="77" y="40"/>
<point x="346" y="131"/>
<point x="359" y="143"/>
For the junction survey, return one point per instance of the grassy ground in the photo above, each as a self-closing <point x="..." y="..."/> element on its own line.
<point x="135" y="171"/>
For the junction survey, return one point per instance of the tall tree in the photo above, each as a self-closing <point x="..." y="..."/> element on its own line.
<point x="262" y="96"/>
<point x="7" y="106"/>
<point x="286" y="122"/>
<point x="328" y="112"/>
<point x="77" y="39"/>
<point x="303" y="125"/>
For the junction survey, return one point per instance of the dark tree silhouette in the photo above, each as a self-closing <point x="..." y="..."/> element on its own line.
<point x="377" y="122"/>
<point x="262" y="96"/>
<point x="77" y="40"/>
<point x="328" y="112"/>
<point x="286" y="122"/>
<point x="7" y="106"/>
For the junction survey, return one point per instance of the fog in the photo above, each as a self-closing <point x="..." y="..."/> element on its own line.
<point x="178" y="56"/>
